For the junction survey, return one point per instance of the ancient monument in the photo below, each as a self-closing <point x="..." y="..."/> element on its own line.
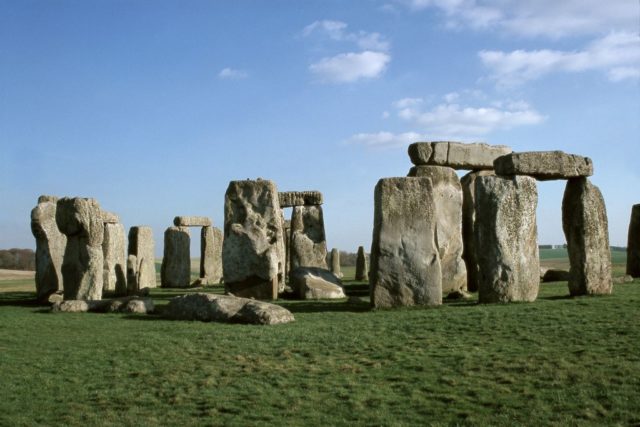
<point x="114" y="248"/>
<point x="633" y="243"/>
<point x="335" y="262"/>
<point x="362" y="269"/>
<point x="141" y="265"/>
<point x="175" y="271"/>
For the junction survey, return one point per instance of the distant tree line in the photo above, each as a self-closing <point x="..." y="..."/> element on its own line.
<point x="17" y="259"/>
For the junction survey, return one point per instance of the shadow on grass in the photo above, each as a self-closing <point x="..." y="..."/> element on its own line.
<point x="24" y="299"/>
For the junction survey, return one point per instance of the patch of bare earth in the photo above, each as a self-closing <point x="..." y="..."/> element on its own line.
<point x="16" y="274"/>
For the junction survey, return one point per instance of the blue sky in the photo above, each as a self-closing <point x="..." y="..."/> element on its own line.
<point x="152" y="107"/>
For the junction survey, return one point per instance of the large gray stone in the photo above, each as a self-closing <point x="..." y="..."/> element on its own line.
<point x="50" y="247"/>
<point x="405" y="261"/>
<point x="469" y="253"/>
<point x="192" y="221"/>
<point x="223" y="308"/>
<point x="335" y="262"/>
<point x="131" y="304"/>
<point x="175" y="271"/>
<point x="584" y="221"/>
<point x="544" y="165"/>
<point x="80" y="220"/>
<point x="362" y="269"/>
<point x="633" y="243"/>
<point x="456" y="155"/>
<point x="308" y="241"/>
<point x="289" y="199"/>
<point x="447" y="195"/>
<point x="287" y="246"/>
<point x="315" y="283"/>
<point x="506" y="234"/>
<point x="253" y="248"/>
<point x="114" y="247"/>
<point x="141" y="263"/>
<point x="110" y="218"/>
<point x="210" y="256"/>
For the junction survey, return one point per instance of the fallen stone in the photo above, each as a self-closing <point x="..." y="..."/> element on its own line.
<point x="114" y="248"/>
<point x="290" y="199"/>
<point x="633" y="243"/>
<point x="119" y="305"/>
<point x="308" y="246"/>
<point x="362" y="269"/>
<point x="458" y="295"/>
<point x="555" y="275"/>
<point x="315" y="283"/>
<point x="544" y="165"/>
<point x="50" y="247"/>
<point x="456" y="155"/>
<point x="175" y="271"/>
<point x="141" y="264"/>
<point x="192" y="221"/>
<point x="210" y="256"/>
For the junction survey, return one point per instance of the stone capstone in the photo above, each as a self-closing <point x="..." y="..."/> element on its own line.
<point x="192" y="221"/>
<point x="141" y="264"/>
<point x="110" y="218"/>
<point x="633" y="243"/>
<point x="176" y="262"/>
<point x="315" y="283"/>
<point x="290" y="199"/>
<point x="210" y="256"/>
<point x="362" y="269"/>
<point x="114" y="247"/>
<point x="544" y="165"/>
<point x="308" y="245"/>
<point x="456" y="155"/>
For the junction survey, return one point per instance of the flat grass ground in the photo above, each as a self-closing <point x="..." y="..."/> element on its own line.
<point x="558" y="361"/>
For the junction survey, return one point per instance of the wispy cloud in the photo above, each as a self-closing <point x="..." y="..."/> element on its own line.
<point x="350" y="67"/>
<point x="232" y="74"/>
<point x="385" y="139"/>
<point x="337" y="31"/>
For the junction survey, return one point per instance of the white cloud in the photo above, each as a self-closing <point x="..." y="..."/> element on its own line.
<point x="350" y="67"/>
<point x="617" y="53"/>
<point x="385" y="139"/>
<point x="337" y="31"/>
<point x="407" y="103"/>
<point x="232" y="74"/>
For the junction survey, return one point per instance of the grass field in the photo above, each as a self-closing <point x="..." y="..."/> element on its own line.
<point x="558" y="361"/>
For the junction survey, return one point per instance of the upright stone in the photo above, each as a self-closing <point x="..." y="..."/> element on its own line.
<point x="50" y="247"/>
<point x="544" y="165"/>
<point x="584" y="221"/>
<point x="405" y="262"/>
<point x="287" y="246"/>
<point x="508" y="263"/>
<point x="81" y="221"/>
<point x="114" y="247"/>
<point x="308" y="241"/>
<point x="210" y="255"/>
<point x="362" y="270"/>
<point x="469" y="253"/>
<point x="141" y="268"/>
<point x="447" y="195"/>
<point x="633" y="243"/>
<point x="335" y="262"/>
<point x="176" y="262"/>
<point x="253" y="247"/>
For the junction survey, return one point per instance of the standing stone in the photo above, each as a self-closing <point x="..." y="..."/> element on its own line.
<point x="50" y="247"/>
<point x="176" y="262"/>
<point x="287" y="246"/>
<point x="633" y="243"/>
<point x="253" y="247"/>
<point x="505" y="227"/>
<point x="362" y="271"/>
<point x="447" y="195"/>
<point x="141" y="268"/>
<point x="114" y="264"/>
<point x="405" y="262"/>
<point x="584" y="221"/>
<point x="81" y="221"/>
<point x="308" y="241"/>
<point x="469" y="253"/>
<point x="335" y="262"/>
<point x="210" y="256"/>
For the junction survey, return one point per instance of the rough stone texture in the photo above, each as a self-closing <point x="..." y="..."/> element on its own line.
<point x="210" y="256"/>
<point x="555" y="275"/>
<point x="110" y="218"/>
<point x="50" y="247"/>
<point x="119" y="305"/>
<point x="508" y="259"/>
<point x="544" y="165"/>
<point x="315" y="283"/>
<point x="287" y="246"/>
<point x="335" y="262"/>
<point x="623" y="279"/>
<point x="405" y="262"/>
<point x="192" y="221"/>
<point x="447" y="195"/>
<point x="81" y="221"/>
<point x="456" y="155"/>
<point x="362" y="269"/>
<point x="176" y="262"/>
<point x="308" y="241"/>
<point x="253" y="247"/>
<point x="141" y="268"/>
<point x="223" y="308"/>
<point x="289" y="199"/>
<point x="633" y="243"/>
<point x="114" y="247"/>
<point x="584" y="221"/>
<point x="468" y="184"/>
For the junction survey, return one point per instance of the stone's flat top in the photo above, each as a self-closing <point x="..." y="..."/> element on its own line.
<point x="289" y="199"/>
<point x="110" y="218"/>
<point x="544" y="165"/>
<point x="192" y="221"/>
<point x="44" y="199"/>
<point x="457" y="155"/>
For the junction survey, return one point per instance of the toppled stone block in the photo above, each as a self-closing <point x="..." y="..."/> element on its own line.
<point x="119" y="305"/>
<point x="308" y="244"/>
<point x="456" y="155"/>
<point x="50" y="247"/>
<point x="290" y="199"/>
<point x="175" y="271"/>
<point x="544" y="165"/>
<point x="315" y="283"/>
<point x="633" y="243"/>
<point x="192" y="221"/>
<point x="555" y="275"/>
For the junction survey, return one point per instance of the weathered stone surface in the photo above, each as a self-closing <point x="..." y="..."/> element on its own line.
<point x="335" y="262"/>
<point x="456" y="155"/>
<point x="210" y="256"/>
<point x="289" y="199"/>
<point x="50" y="247"/>
<point x="584" y="221"/>
<point x="544" y="165"/>
<point x="308" y="241"/>
<point x="192" y="221"/>
<point x="447" y="195"/>
<point x="253" y="247"/>
<point x="405" y="262"/>
<point x="315" y="283"/>
<point x="175" y="271"/>
<point x="469" y="253"/>
<point x="119" y="305"/>
<point x="623" y="279"/>
<point x="555" y="275"/>
<point x="362" y="269"/>
<point x="81" y="221"/>
<point x="114" y="247"/>
<point x="508" y="259"/>
<point x="287" y="246"/>
<point x="223" y="308"/>
<point x="141" y="268"/>
<point x="110" y="218"/>
<point x="633" y="243"/>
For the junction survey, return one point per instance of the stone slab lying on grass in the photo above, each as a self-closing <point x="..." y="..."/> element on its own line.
<point x="224" y="308"/>
<point x="555" y="275"/>
<point x="544" y="165"/>
<point x="192" y="221"/>
<point x="623" y="279"/>
<point x="456" y="155"/>
<point x="119" y="305"/>
<point x="315" y="283"/>
<point x="290" y="199"/>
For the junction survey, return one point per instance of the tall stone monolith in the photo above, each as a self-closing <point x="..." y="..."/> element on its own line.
<point x="175" y="271"/>
<point x="362" y="270"/>
<point x="335" y="262"/>
<point x="141" y="263"/>
<point x="210" y="255"/>
<point x="287" y="246"/>
<point x="114" y="247"/>
<point x="633" y="243"/>
<point x="505" y="227"/>
<point x="308" y="241"/>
